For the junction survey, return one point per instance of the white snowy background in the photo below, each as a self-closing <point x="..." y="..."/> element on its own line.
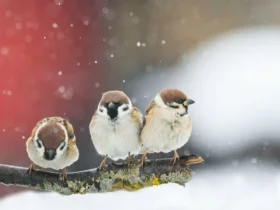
<point x="234" y="79"/>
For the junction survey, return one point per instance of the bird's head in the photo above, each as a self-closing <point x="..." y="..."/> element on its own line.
<point x="114" y="104"/>
<point x="173" y="99"/>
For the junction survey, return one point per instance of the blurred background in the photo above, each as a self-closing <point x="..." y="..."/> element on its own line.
<point x="58" y="56"/>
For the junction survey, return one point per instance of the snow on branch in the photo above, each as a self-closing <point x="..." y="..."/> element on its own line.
<point x="111" y="178"/>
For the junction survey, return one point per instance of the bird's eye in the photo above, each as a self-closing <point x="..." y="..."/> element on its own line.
<point x="62" y="146"/>
<point x="125" y="108"/>
<point x="101" y="110"/>
<point x="39" y="143"/>
<point x="179" y="101"/>
<point x="72" y="136"/>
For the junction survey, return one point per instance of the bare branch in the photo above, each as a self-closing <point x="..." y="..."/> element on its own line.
<point x="113" y="177"/>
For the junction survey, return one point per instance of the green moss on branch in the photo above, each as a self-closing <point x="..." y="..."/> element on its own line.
<point x="113" y="177"/>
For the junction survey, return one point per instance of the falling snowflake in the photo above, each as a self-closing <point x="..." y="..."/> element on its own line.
<point x="61" y="89"/>
<point x="97" y="85"/>
<point x="86" y="22"/>
<point x="9" y="92"/>
<point x="55" y="25"/>
<point x="18" y="26"/>
<point x="254" y="160"/>
<point x="58" y="2"/>
<point x="8" y="13"/>
<point x="105" y="10"/>
<point x="4" y="51"/>
<point x="163" y="41"/>
<point x="138" y="44"/>
<point x="95" y="61"/>
<point x="59" y="73"/>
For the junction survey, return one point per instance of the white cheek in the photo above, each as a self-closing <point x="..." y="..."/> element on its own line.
<point x="40" y="150"/>
<point x="121" y="112"/>
<point x="60" y="152"/>
<point x="102" y="111"/>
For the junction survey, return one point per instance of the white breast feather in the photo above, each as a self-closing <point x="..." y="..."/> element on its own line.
<point x="116" y="139"/>
<point x="159" y="136"/>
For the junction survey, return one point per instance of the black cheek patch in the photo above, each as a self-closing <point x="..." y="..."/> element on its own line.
<point x="39" y="144"/>
<point x="62" y="147"/>
<point x="174" y="107"/>
<point x="101" y="110"/>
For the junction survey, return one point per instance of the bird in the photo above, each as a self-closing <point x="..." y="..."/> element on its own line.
<point x="52" y="144"/>
<point x="167" y="124"/>
<point x="115" y="127"/>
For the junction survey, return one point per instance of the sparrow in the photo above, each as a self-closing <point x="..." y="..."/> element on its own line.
<point x="115" y="127"/>
<point x="167" y="125"/>
<point x="52" y="144"/>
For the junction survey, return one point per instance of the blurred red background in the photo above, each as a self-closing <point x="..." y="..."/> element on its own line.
<point x="47" y="50"/>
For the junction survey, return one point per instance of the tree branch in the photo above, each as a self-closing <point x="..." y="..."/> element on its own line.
<point x="113" y="177"/>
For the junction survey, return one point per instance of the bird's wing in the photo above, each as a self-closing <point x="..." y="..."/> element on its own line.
<point x="148" y="112"/>
<point x="137" y="116"/>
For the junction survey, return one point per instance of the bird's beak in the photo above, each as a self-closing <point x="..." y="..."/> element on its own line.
<point x="189" y="102"/>
<point x="50" y="154"/>
<point x="111" y="105"/>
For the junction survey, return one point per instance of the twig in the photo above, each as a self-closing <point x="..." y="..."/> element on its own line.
<point x="113" y="177"/>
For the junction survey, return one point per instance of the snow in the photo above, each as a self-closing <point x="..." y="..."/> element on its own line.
<point x="4" y="51"/>
<point x="245" y="187"/>
<point x="234" y="79"/>
<point x="55" y="25"/>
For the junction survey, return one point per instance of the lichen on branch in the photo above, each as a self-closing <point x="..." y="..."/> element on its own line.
<point x="111" y="178"/>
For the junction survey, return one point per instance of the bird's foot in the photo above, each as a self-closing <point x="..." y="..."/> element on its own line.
<point x="30" y="168"/>
<point x="63" y="174"/>
<point x="103" y="163"/>
<point x="129" y="159"/>
<point x="175" y="157"/>
<point x="143" y="158"/>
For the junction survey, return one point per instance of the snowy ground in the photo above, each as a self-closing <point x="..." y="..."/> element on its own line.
<point x="248" y="187"/>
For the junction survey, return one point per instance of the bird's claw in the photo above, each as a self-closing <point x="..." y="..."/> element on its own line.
<point x="103" y="163"/>
<point x="175" y="158"/>
<point x="63" y="175"/>
<point x="30" y="168"/>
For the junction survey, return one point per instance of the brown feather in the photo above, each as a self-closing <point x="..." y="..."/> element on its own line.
<point x="169" y="95"/>
<point x="149" y="112"/>
<point x="71" y="149"/>
<point x="114" y="96"/>
<point x="135" y="115"/>
<point x="51" y="134"/>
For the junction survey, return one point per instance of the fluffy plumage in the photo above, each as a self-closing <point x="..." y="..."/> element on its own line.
<point x="52" y="144"/>
<point x="167" y="124"/>
<point x="115" y="127"/>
